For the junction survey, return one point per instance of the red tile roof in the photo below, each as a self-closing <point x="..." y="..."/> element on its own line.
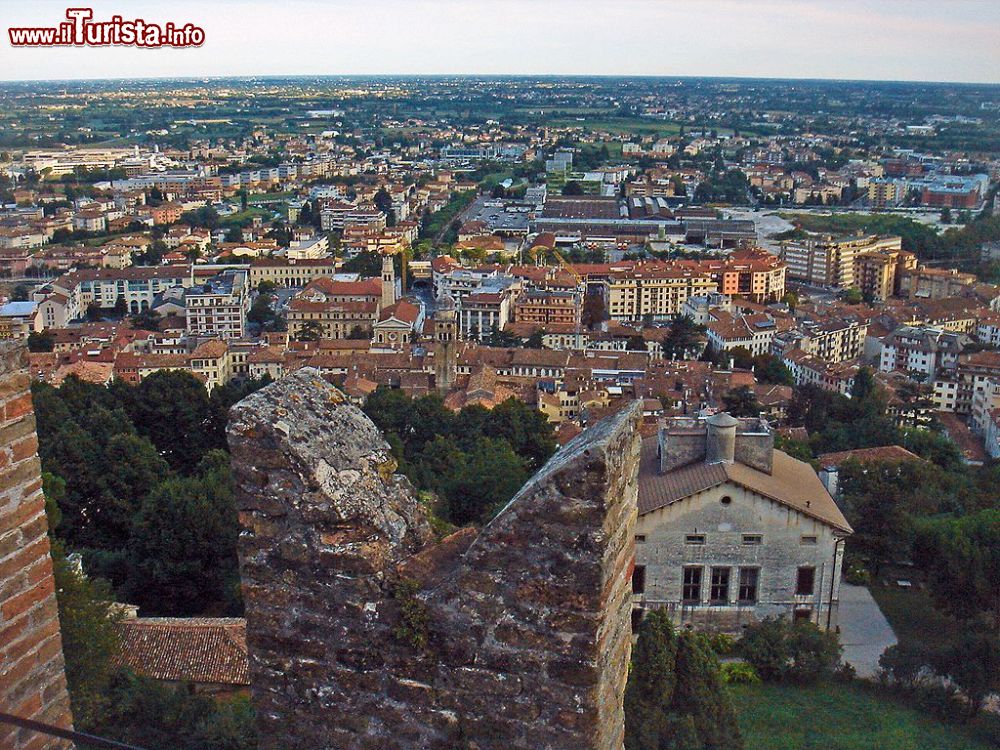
<point x="199" y="649"/>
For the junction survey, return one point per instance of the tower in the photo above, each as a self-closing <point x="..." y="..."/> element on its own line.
<point x="388" y="282"/>
<point x="445" y="345"/>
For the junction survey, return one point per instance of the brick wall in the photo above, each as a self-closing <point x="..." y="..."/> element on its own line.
<point x="32" y="680"/>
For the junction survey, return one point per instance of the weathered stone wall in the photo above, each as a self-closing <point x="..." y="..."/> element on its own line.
<point x="32" y="678"/>
<point x="366" y="633"/>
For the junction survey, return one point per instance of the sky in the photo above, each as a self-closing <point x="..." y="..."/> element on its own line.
<point x="916" y="40"/>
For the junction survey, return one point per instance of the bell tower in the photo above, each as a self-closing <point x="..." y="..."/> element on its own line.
<point x="445" y="345"/>
<point x="388" y="282"/>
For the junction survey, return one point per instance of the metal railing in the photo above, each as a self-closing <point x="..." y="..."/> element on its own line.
<point x="82" y="739"/>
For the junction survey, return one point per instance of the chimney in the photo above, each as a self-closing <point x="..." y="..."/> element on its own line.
<point x="720" y="440"/>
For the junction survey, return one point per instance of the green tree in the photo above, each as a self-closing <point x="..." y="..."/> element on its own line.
<point x="572" y="187"/>
<point x="261" y="312"/>
<point x="150" y="714"/>
<point x="182" y="550"/>
<point x="674" y="697"/>
<point x="683" y="339"/>
<point x="383" y="202"/>
<point x="961" y="557"/>
<point x="795" y="651"/>
<point x="490" y="476"/>
<point x="770" y="369"/>
<point x="133" y="467"/>
<point x="595" y="311"/>
<point x="853" y="296"/>
<point x="311" y="330"/>
<point x="41" y="341"/>
<point x="973" y="663"/>
<point x="525" y="429"/>
<point x="741" y="402"/>
<point x="20" y="293"/>
<point x="171" y="408"/>
<point x="87" y="626"/>
<point x="741" y="357"/>
<point x="146" y="320"/>
<point x="535" y="340"/>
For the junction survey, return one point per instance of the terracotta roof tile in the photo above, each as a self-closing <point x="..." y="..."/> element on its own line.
<point x="197" y="649"/>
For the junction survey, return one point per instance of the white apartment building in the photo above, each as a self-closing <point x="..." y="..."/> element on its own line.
<point x="219" y="306"/>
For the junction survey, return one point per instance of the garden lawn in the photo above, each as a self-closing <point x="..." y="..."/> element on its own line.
<point x="836" y="716"/>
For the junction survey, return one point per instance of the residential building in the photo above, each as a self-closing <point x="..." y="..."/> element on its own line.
<point x="336" y="309"/>
<point x="218" y="307"/>
<point x="921" y="351"/>
<point x="544" y="307"/>
<point x="731" y="531"/>
<point x="833" y="262"/>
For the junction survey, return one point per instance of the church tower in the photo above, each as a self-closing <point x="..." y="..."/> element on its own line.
<point x="388" y="282"/>
<point x="445" y="345"/>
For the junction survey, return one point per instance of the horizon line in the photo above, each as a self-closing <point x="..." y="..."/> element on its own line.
<point x="251" y="76"/>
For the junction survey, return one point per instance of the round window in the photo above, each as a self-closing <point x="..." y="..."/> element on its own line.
<point x="726" y="500"/>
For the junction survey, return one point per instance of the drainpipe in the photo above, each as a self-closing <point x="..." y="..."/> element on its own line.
<point x="833" y="585"/>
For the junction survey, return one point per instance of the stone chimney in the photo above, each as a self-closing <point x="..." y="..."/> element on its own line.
<point x="720" y="438"/>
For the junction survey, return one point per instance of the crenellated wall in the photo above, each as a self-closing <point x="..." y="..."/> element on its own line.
<point x="365" y="632"/>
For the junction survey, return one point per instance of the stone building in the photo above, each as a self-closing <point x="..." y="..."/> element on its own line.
<point x="32" y="676"/>
<point x="366" y="632"/>
<point x="731" y="530"/>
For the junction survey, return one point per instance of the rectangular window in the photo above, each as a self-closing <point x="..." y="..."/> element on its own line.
<point x="809" y="540"/>
<point x="694" y="539"/>
<point x="692" y="585"/>
<point x="639" y="579"/>
<point x="720" y="585"/>
<point x="640" y="538"/>
<point x="748" y="585"/>
<point x="805" y="581"/>
<point x="753" y="539"/>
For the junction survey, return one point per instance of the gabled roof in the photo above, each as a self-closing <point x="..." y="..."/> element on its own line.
<point x="791" y="483"/>
<point x="197" y="649"/>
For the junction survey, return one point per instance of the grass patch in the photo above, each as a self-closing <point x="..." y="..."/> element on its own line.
<point x="913" y="616"/>
<point x="835" y="716"/>
<point x="244" y="217"/>
<point x="265" y="197"/>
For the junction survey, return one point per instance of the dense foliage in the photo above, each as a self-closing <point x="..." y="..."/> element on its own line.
<point x="675" y="696"/>
<point x="780" y="650"/>
<point x="110" y="701"/>
<point x="474" y="460"/>
<point x="140" y="480"/>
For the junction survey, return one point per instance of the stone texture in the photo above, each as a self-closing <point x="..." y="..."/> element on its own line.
<point x="32" y="678"/>
<point x="366" y="633"/>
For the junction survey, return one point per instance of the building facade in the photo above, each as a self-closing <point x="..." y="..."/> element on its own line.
<point x="731" y="531"/>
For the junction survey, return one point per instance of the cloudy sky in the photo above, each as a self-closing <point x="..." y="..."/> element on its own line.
<point x="938" y="40"/>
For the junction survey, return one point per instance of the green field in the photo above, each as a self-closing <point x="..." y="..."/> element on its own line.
<point x="913" y="615"/>
<point x="617" y="125"/>
<point x="841" y="717"/>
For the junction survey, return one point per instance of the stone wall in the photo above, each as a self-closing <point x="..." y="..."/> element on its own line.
<point x="32" y="679"/>
<point x="366" y="632"/>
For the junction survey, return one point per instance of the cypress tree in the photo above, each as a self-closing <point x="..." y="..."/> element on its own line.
<point x="675" y="699"/>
